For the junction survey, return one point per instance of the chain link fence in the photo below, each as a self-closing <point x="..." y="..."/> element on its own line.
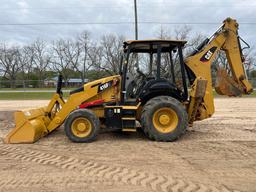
<point x="253" y="82"/>
<point x="30" y="84"/>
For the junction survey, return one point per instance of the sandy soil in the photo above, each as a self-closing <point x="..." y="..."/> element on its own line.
<point x="217" y="154"/>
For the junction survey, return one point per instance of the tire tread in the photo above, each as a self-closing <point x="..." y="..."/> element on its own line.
<point x="82" y="113"/>
<point x="148" y="108"/>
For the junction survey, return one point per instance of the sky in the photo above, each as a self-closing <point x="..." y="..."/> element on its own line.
<point x="53" y="19"/>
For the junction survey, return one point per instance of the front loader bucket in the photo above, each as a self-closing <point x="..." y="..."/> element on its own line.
<point x="30" y="126"/>
<point x="225" y="85"/>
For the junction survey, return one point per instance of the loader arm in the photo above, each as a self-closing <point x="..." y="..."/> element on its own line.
<point x="199" y="63"/>
<point x="36" y="123"/>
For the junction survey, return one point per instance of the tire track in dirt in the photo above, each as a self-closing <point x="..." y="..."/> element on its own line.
<point x="231" y="149"/>
<point x="35" y="180"/>
<point x="224" y="149"/>
<point x="108" y="173"/>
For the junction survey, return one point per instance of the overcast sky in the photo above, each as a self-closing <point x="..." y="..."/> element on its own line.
<point x="116" y="11"/>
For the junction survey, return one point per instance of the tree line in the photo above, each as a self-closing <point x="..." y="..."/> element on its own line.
<point x="79" y="57"/>
<point x="72" y="57"/>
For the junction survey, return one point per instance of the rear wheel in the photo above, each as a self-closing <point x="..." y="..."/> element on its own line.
<point x="82" y="126"/>
<point x="164" y="119"/>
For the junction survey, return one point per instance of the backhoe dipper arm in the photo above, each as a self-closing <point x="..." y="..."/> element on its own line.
<point x="226" y="38"/>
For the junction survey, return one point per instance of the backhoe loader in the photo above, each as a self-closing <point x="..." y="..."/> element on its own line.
<point x="151" y="92"/>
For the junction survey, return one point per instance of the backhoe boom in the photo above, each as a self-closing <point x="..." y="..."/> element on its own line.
<point x="199" y="68"/>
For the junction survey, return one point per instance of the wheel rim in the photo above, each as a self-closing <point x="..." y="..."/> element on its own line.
<point x="81" y="127"/>
<point x="165" y="120"/>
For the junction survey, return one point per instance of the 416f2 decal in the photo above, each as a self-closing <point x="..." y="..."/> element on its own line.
<point x="104" y="86"/>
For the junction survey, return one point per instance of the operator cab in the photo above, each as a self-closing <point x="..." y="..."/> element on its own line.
<point x="150" y="68"/>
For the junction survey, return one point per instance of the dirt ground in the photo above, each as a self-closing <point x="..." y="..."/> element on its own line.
<point x="217" y="154"/>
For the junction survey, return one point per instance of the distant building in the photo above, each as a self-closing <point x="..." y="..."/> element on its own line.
<point x="72" y="82"/>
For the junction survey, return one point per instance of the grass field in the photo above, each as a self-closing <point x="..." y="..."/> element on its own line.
<point x="37" y="89"/>
<point x="47" y="95"/>
<point x="28" y="95"/>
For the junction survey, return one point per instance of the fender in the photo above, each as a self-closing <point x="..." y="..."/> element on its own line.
<point x="159" y="87"/>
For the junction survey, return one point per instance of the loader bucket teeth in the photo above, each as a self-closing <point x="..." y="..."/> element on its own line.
<point x="28" y="128"/>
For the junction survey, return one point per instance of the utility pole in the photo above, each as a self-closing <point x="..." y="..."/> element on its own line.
<point x="136" y="30"/>
<point x="136" y="19"/>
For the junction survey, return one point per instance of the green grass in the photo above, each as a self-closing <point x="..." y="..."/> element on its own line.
<point x="28" y="95"/>
<point x="253" y="94"/>
<point x="37" y="89"/>
<point x="48" y="95"/>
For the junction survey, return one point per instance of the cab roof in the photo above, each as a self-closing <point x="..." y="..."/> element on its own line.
<point x="151" y="45"/>
<point x="156" y="41"/>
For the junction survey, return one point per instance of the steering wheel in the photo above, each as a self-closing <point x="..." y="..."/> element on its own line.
<point x="59" y="85"/>
<point x="141" y="73"/>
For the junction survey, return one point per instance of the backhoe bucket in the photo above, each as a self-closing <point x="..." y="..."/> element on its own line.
<point x="30" y="126"/>
<point x="225" y="85"/>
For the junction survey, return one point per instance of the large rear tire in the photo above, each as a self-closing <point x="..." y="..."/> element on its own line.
<point x="164" y="119"/>
<point x="82" y="126"/>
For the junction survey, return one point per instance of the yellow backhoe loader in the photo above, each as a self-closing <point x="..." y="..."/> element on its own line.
<point x="151" y="91"/>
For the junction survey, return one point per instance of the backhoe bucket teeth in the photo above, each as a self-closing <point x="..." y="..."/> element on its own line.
<point x="30" y="126"/>
<point x="225" y="85"/>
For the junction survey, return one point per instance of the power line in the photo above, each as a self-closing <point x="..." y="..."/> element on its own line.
<point x="66" y="23"/>
<point x="119" y="23"/>
<point x="146" y="4"/>
<point x="141" y="6"/>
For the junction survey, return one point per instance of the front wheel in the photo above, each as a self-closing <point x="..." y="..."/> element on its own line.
<point x="164" y="119"/>
<point x="82" y="126"/>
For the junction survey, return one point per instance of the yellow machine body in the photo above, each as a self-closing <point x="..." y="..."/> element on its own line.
<point x="34" y="124"/>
